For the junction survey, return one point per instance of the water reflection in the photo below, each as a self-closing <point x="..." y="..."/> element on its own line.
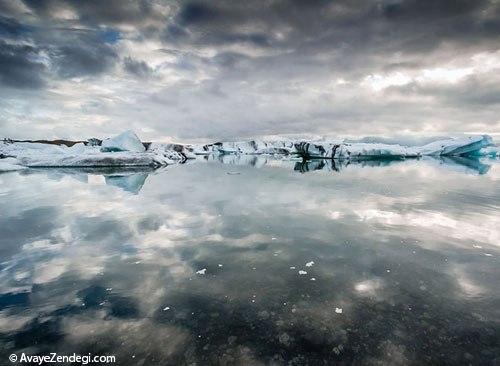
<point x="405" y="264"/>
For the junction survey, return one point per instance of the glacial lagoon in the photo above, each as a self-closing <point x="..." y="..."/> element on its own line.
<point x="254" y="261"/>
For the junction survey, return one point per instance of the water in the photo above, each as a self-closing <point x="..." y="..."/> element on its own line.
<point x="104" y="262"/>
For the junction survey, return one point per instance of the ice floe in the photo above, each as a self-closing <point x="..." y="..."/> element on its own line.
<point x="127" y="150"/>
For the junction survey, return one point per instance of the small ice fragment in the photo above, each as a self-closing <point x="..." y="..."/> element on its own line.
<point x="488" y="254"/>
<point x="220" y="265"/>
<point x="201" y="271"/>
<point x="273" y="238"/>
<point x="292" y="267"/>
<point x="109" y="289"/>
<point x="253" y="300"/>
<point x="388" y="271"/>
<point x="477" y="246"/>
<point x="309" y="264"/>
<point x="338" y="310"/>
<point x="137" y="262"/>
<point x="302" y="272"/>
<point x="313" y="279"/>
<point x="254" y="268"/>
<point x="233" y="173"/>
<point x="102" y="303"/>
<point x="166" y="308"/>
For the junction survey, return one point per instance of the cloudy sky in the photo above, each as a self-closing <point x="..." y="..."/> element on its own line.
<point x="188" y="71"/>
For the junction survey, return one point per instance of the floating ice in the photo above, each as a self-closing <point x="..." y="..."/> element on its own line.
<point x="455" y="146"/>
<point x="126" y="149"/>
<point x="79" y="155"/>
<point x="126" y="141"/>
<point x="201" y="271"/>
<point x="338" y="310"/>
<point x="309" y="264"/>
<point x="302" y="272"/>
<point x="166" y="308"/>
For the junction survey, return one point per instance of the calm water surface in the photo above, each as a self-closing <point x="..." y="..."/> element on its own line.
<point x="298" y="264"/>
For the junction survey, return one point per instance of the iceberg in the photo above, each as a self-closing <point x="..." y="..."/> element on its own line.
<point x="463" y="146"/>
<point x="81" y="155"/>
<point x="10" y="164"/>
<point x="126" y="141"/>
<point x="126" y="150"/>
<point x="455" y="146"/>
<point x="346" y="151"/>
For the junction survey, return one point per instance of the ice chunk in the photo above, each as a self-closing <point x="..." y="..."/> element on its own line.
<point x="328" y="150"/>
<point x="490" y="151"/>
<point x="173" y="151"/>
<point x="108" y="159"/>
<point x="126" y="141"/>
<point x="10" y="164"/>
<point x="301" y="272"/>
<point x="338" y="310"/>
<point x="455" y="146"/>
<point x="201" y="271"/>
<point x="309" y="264"/>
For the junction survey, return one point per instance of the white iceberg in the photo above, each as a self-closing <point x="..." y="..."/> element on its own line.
<point x="449" y="147"/>
<point x="81" y="155"/>
<point x="10" y="164"/>
<point x="455" y="146"/>
<point x="126" y="141"/>
<point x="342" y="151"/>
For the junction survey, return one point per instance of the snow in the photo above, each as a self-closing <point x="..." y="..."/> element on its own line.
<point x="126" y="141"/>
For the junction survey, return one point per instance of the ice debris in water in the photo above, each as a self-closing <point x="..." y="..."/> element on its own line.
<point x="220" y="265"/>
<point x="166" y="308"/>
<point x="309" y="264"/>
<point x="201" y="271"/>
<point x="338" y="310"/>
<point x="301" y="272"/>
<point x="313" y="279"/>
<point x="293" y="267"/>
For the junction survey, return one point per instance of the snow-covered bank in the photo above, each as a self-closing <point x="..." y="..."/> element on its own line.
<point x="127" y="150"/>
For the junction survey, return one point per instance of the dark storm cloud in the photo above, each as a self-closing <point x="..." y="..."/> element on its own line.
<point x="19" y="67"/>
<point x="294" y="65"/>
<point x="86" y="57"/>
<point x="137" y="67"/>
<point x="95" y="11"/>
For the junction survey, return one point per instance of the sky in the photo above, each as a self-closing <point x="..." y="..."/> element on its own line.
<point x="203" y="71"/>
